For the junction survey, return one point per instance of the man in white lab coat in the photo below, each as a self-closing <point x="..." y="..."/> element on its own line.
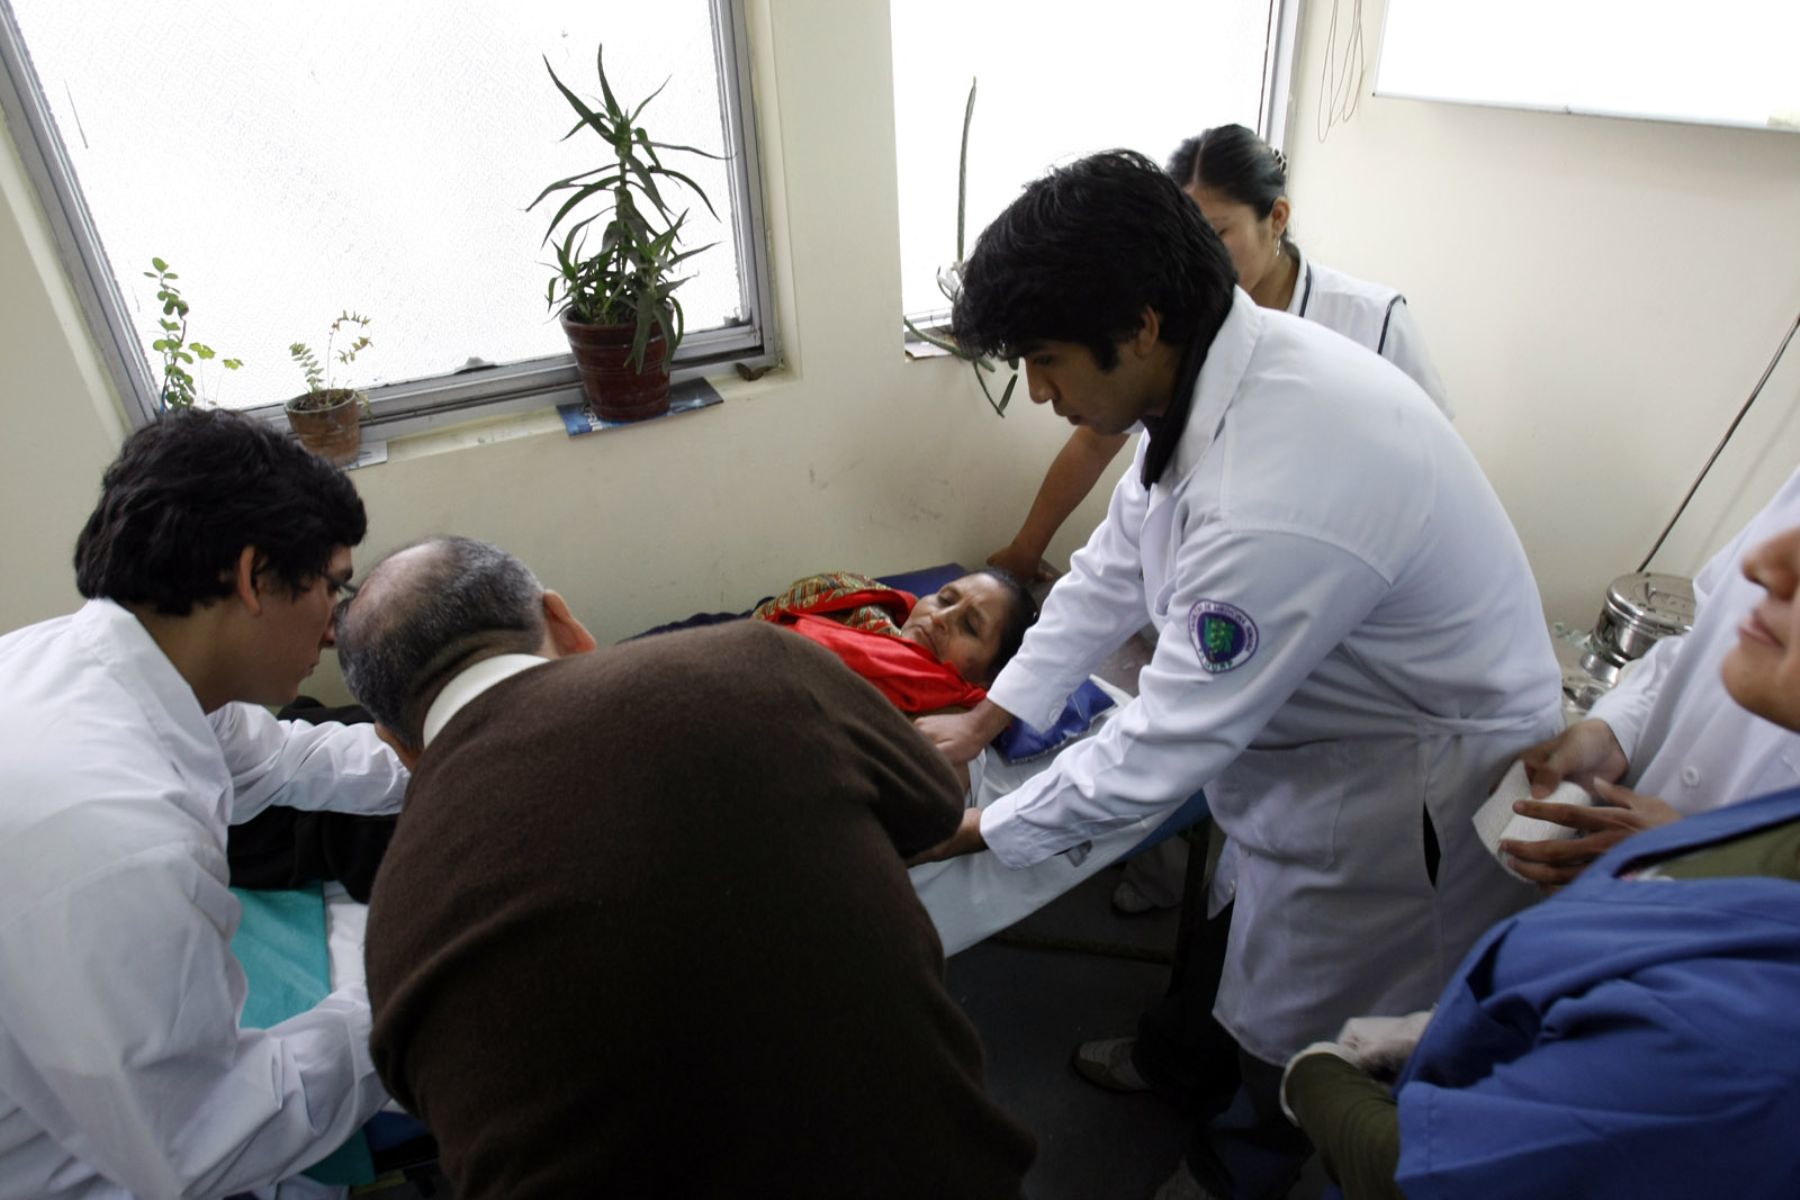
<point x="1669" y="732"/>
<point x="133" y="737"/>
<point x="1351" y="646"/>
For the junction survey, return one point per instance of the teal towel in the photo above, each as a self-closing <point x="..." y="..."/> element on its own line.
<point x="281" y="944"/>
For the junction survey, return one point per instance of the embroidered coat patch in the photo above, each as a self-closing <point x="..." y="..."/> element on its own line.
<point x="1223" y="634"/>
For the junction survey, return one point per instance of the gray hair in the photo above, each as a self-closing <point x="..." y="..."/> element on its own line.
<point x="414" y="625"/>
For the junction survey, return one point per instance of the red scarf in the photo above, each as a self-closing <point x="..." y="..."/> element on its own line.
<point x="905" y="672"/>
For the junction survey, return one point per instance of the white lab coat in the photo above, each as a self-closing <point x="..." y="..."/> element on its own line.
<point x="122" y="1067"/>
<point x="1401" y="660"/>
<point x="1369" y="314"/>
<point x="1686" y="739"/>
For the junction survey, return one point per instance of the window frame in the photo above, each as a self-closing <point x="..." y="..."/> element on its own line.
<point x="412" y="406"/>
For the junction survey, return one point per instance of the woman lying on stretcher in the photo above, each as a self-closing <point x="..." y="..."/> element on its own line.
<point x="926" y="654"/>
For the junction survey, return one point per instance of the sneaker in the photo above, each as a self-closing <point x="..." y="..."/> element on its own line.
<point x="1107" y="1063"/>
<point x="1182" y="1186"/>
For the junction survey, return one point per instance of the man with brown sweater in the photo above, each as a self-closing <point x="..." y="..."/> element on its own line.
<point x="646" y="928"/>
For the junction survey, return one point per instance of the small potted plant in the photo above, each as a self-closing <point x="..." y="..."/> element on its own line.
<point x="326" y="419"/>
<point x="617" y="301"/>
<point x="180" y="387"/>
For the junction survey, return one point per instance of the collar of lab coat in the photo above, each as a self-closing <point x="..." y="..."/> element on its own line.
<point x="119" y="641"/>
<point x="471" y="683"/>
<point x="1227" y="360"/>
<point x="1303" y="282"/>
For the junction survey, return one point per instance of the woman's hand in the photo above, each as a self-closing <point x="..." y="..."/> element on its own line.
<point x="960" y="737"/>
<point x="1620" y="814"/>
<point x="1024" y="563"/>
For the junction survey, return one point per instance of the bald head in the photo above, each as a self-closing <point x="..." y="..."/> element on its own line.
<point x="426" y="612"/>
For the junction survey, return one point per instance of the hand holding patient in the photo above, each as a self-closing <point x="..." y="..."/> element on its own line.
<point x="959" y="737"/>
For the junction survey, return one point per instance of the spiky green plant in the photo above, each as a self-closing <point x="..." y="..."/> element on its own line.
<point x="629" y="278"/>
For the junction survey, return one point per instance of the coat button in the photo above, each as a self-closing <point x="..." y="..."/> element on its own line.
<point x="1690" y="776"/>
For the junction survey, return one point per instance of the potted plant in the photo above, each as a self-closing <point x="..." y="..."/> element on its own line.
<point x="616" y="300"/>
<point x="326" y="419"/>
<point x="180" y="388"/>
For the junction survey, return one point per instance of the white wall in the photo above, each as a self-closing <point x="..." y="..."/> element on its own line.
<point x="1600" y="296"/>
<point x="851" y="457"/>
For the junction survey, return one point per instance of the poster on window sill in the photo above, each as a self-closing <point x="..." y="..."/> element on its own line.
<point x="688" y="397"/>
<point x="370" y="454"/>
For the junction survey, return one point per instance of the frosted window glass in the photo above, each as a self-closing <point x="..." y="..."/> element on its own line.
<point x="1727" y="62"/>
<point x="291" y="161"/>
<point x="1058" y="79"/>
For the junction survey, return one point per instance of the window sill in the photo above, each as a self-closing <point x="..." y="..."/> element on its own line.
<point x="543" y="420"/>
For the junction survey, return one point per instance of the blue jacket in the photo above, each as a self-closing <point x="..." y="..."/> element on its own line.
<point x="1629" y="1038"/>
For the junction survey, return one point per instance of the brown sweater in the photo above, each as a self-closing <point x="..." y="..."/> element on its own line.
<point x="645" y="930"/>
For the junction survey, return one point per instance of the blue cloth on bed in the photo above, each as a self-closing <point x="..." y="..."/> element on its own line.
<point x="1020" y="741"/>
<point x="281" y="945"/>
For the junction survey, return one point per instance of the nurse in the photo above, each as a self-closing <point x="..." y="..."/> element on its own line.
<point x="1240" y="184"/>
<point x="1350" y="643"/>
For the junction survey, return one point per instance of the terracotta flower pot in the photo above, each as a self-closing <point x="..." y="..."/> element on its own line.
<point x="329" y="423"/>
<point x="614" y="389"/>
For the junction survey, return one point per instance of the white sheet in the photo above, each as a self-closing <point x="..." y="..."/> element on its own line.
<point x="975" y="896"/>
<point x="345" y="924"/>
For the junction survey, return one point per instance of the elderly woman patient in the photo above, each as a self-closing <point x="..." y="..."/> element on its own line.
<point x="925" y="654"/>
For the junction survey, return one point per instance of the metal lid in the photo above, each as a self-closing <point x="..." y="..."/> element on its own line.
<point x="1659" y="604"/>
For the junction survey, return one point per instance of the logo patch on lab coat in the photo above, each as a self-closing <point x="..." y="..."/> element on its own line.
<point x="1224" y="635"/>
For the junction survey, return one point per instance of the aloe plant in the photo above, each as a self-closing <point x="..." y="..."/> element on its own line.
<point x="629" y="278"/>
<point x="949" y="281"/>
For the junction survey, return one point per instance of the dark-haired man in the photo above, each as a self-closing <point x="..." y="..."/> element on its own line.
<point x="133" y="737"/>
<point x="1351" y="645"/>
<point x="646" y="928"/>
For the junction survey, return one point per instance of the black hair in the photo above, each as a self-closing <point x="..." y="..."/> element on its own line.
<point x="1080" y="255"/>
<point x="407" y="632"/>
<point x="1236" y="162"/>
<point x="190" y="491"/>
<point x="1021" y="615"/>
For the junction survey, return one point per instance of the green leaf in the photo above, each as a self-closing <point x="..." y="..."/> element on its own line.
<point x="962" y="168"/>
<point x="159" y="264"/>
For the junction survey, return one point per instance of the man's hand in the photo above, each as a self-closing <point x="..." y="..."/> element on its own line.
<point x="1620" y="813"/>
<point x="1582" y="754"/>
<point x="966" y="840"/>
<point x="1024" y="563"/>
<point x="959" y="737"/>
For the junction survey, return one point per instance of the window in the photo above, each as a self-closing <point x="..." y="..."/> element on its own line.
<point x="1060" y="79"/>
<point x="291" y="162"/>
<point x="1729" y="62"/>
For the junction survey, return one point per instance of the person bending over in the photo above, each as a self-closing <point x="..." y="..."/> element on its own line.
<point x="1350" y="645"/>
<point x="645" y="928"/>
<point x="1239" y="183"/>
<point x="1636" y="1036"/>
<point x="926" y="654"/>
<point x="135" y="733"/>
